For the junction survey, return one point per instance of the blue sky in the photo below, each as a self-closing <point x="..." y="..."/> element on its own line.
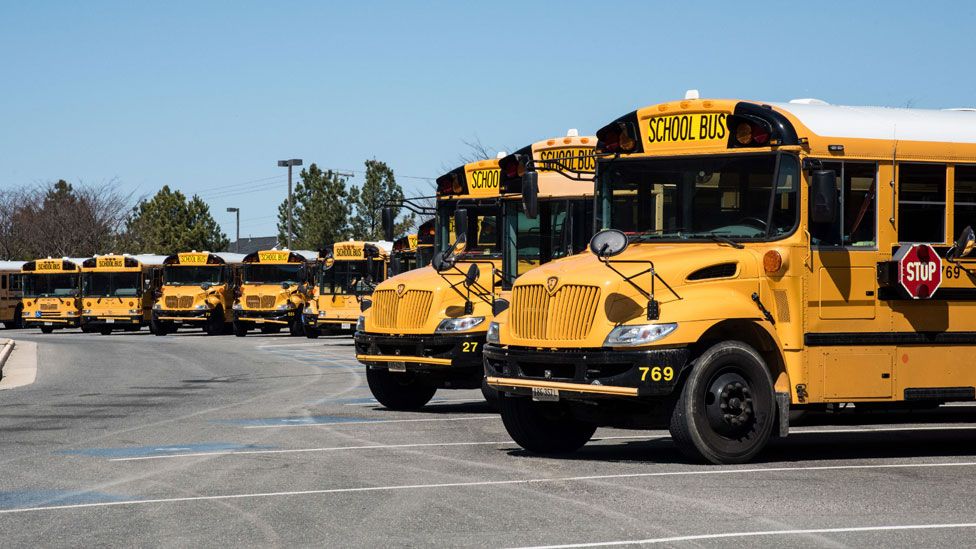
<point x="207" y="96"/>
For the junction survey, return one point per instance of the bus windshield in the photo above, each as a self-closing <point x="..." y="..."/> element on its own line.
<point x="192" y="275"/>
<point x="350" y="277"/>
<point x="702" y="197"/>
<point x="263" y="273"/>
<point x="483" y="228"/>
<point x="51" y="285"/>
<point x="111" y="284"/>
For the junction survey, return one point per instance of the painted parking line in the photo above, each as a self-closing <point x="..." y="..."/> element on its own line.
<point x="313" y="421"/>
<point x="162" y="451"/>
<point x="348" y="448"/>
<point x="26" y="499"/>
<point x="807" y="431"/>
<point x="471" y="484"/>
<point x="800" y="532"/>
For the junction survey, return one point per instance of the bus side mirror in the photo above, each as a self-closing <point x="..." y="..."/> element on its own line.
<point x="388" y="219"/>
<point x="461" y="222"/>
<point x="472" y="277"/>
<point x="824" y="199"/>
<point x="530" y="194"/>
<point x="964" y="244"/>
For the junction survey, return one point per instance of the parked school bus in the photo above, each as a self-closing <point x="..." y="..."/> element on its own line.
<point x="426" y="237"/>
<point x="345" y="274"/>
<point x="272" y="293"/>
<point x="117" y="292"/>
<point x="756" y="258"/>
<point x="11" y="294"/>
<point x="403" y="256"/>
<point x="197" y="290"/>
<point x="425" y="329"/>
<point x="51" y="293"/>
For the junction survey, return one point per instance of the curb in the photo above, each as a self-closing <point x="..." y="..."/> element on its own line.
<point x="8" y="347"/>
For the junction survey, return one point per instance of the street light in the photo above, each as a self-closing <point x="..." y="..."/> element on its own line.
<point x="289" y="164"/>
<point x="237" y="243"/>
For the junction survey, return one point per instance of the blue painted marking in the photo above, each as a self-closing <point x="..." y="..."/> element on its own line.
<point x="171" y="449"/>
<point x="42" y="498"/>
<point x="309" y="420"/>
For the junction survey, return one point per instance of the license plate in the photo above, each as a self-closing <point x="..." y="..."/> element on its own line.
<point x="398" y="366"/>
<point x="49" y="324"/>
<point x="545" y="394"/>
<point x="345" y="326"/>
<point x="110" y="321"/>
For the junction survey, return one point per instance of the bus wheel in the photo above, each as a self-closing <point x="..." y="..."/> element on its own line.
<point x="47" y="329"/>
<point x="490" y="393"/>
<point x="215" y="324"/>
<point x="726" y="408"/>
<point x="311" y="333"/>
<point x="157" y="327"/>
<point x="399" y="391"/>
<point x="105" y="331"/>
<point x="240" y="330"/>
<point x="296" y="327"/>
<point x="543" y="428"/>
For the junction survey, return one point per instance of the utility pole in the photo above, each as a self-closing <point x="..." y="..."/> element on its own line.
<point x="289" y="164"/>
<point x="237" y="243"/>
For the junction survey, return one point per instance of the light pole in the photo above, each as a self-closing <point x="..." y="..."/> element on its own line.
<point x="289" y="164"/>
<point x="237" y="214"/>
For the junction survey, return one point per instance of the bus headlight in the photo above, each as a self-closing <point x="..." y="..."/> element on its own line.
<point x="237" y="307"/>
<point x="308" y="311"/>
<point x="86" y="311"/>
<point x="629" y="336"/>
<point x="201" y="307"/>
<point x="451" y="325"/>
<point x="135" y="311"/>
<point x="361" y="324"/>
<point x="492" y="336"/>
<point x="157" y="306"/>
<point x="284" y="307"/>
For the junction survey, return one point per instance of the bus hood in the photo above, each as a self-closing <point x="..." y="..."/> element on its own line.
<point x="577" y="301"/>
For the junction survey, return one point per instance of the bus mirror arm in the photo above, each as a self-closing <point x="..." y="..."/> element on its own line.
<point x="653" y="305"/>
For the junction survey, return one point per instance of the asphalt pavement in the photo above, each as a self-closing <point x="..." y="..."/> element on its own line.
<point x="194" y="440"/>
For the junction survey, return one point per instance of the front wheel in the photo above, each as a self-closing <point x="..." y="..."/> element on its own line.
<point x="312" y="333"/>
<point x="157" y="327"/>
<point x="240" y="330"/>
<point x="295" y="327"/>
<point x="543" y="428"/>
<point x="399" y="391"/>
<point x="105" y="331"/>
<point x="215" y="324"/>
<point x="726" y="408"/>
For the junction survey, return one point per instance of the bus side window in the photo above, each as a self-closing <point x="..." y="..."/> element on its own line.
<point x="3" y="282"/>
<point x="921" y="202"/>
<point x="964" y="210"/>
<point x="856" y="226"/>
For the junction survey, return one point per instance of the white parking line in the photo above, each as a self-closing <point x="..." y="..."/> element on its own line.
<point x="346" y="448"/>
<point x="431" y="403"/>
<point x="698" y="537"/>
<point x="886" y="429"/>
<point x="358" y="422"/>
<point x="527" y="481"/>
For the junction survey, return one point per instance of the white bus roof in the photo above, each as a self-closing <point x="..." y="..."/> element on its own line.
<point x="11" y="265"/>
<point x="229" y="257"/>
<point x="309" y="255"/>
<point x="150" y="259"/>
<point x="948" y="126"/>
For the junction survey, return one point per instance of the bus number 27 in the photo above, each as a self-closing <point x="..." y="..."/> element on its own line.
<point x="657" y="373"/>
<point x="469" y="346"/>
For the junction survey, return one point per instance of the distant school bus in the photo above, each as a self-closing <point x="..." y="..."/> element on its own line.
<point x="425" y="328"/>
<point x="197" y="290"/>
<point x="117" y="292"/>
<point x="52" y="289"/>
<point x="348" y="272"/>
<point x="273" y="292"/>
<point x="403" y="257"/>
<point x="11" y="294"/>
<point x="755" y="258"/>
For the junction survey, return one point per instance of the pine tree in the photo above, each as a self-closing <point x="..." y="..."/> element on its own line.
<point x="322" y="208"/>
<point x="379" y="189"/>
<point x="168" y="223"/>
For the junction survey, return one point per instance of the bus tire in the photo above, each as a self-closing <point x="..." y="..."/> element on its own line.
<point x="215" y="324"/>
<point x="490" y="393"/>
<point x="726" y="408"/>
<point x="312" y="333"/>
<point x="157" y="327"/>
<point x="240" y="329"/>
<point x="543" y="428"/>
<point x="47" y="329"/>
<point x="105" y="331"/>
<point x="296" y="327"/>
<point x="400" y="391"/>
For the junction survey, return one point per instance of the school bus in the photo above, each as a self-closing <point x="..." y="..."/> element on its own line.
<point x="425" y="329"/>
<point x="272" y="293"/>
<point x="51" y="293"/>
<point x="11" y="294"/>
<point x="403" y="256"/>
<point x="117" y="291"/>
<point x="754" y="258"/>
<point x="197" y="290"/>
<point x="425" y="243"/>
<point x="345" y="274"/>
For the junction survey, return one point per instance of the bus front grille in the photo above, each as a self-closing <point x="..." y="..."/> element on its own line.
<point x="172" y="302"/>
<point x="253" y="302"/>
<point x="407" y="311"/>
<point x="49" y="307"/>
<point x="179" y="302"/>
<point x="564" y="315"/>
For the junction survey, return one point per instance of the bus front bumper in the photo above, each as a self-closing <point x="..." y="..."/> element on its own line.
<point x="265" y="317"/>
<point x="55" y="321"/>
<point x="583" y="374"/>
<point x="315" y="321"/>
<point x="454" y="358"/>
<point x="112" y="320"/>
<point x="186" y="315"/>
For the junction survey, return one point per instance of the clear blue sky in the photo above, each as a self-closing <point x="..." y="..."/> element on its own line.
<point x="207" y="96"/>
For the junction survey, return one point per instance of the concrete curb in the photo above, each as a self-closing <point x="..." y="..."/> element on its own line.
<point x="8" y="348"/>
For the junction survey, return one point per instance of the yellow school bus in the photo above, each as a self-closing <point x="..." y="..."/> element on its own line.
<point x="11" y="294"/>
<point x="117" y="292"/>
<point x="51" y="293"/>
<point x="403" y="256"/>
<point x="197" y="290"/>
<point x="425" y="329"/>
<point x="346" y="273"/>
<point x="755" y="258"/>
<point x="425" y="243"/>
<point x="272" y="293"/>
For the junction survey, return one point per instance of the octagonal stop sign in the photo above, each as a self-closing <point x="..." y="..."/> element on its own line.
<point x="919" y="270"/>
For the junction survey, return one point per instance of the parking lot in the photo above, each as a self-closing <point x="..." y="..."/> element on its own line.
<point x="187" y="439"/>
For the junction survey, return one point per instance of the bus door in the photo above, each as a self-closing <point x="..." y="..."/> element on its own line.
<point x="842" y="302"/>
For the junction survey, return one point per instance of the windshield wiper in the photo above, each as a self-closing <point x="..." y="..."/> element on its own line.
<point x="724" y="240"/>
<point x="655" y="233"/>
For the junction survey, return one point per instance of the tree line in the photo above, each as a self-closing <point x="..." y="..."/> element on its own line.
<point x="62" y="219"/>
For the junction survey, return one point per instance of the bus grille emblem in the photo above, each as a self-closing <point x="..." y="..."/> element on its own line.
<point x="551" y="284"/>
<point x="400" y="289"/>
